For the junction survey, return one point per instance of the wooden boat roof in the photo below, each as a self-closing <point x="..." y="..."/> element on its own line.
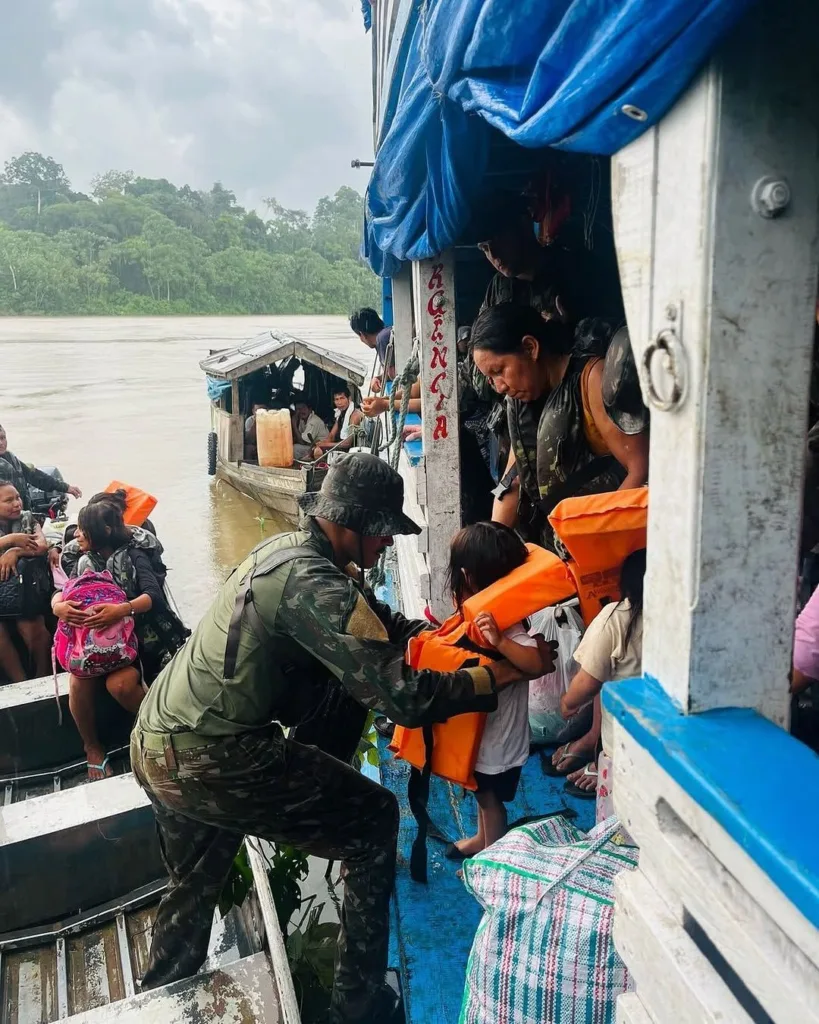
<point x="339" y="353"/>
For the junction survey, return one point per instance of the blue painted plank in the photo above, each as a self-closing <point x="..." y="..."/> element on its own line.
<point x="754" y="778"/>
<point x="434" y="924"/>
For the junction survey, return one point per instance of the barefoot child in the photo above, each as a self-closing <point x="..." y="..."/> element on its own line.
<point x="480" y="555"/>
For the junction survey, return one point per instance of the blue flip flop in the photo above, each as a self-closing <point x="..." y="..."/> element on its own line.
<point x="99" y="768"/>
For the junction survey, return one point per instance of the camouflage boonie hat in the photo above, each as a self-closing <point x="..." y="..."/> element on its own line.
<point x="363" y="493"/>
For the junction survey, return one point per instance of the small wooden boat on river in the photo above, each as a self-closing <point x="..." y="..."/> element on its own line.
<point x="82" y="875"/>
<point x="270" y="369"/>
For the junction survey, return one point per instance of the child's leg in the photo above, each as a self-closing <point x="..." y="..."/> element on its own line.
<point x="495" y="821"/>
<point x="469" y="847"/>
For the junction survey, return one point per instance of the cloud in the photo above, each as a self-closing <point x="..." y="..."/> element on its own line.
<point x="270" y="97"/>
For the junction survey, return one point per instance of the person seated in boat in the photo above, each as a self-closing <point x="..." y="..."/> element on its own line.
<point x="251" y="450"/>
<point x="611" y="649"/>
<point x="564" y="439"/>
<point x="479" y="556"/>
<point x="343" y="433"/>
<point x="210" y="751"/>
<point x="142" y="537"/>
<point x="107" y="544"/>
<point x="23" y="476"/>
<point x="369" y="327"/>
<point x="308" y="429"/>
<point x="23" y="552"/>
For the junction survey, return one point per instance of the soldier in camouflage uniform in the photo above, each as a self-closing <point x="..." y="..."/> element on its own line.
<point x="209" y="750"/>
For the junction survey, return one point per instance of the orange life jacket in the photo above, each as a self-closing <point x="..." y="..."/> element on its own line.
<point x="542" y="580"/>
<point x="599" y="531"/>
<point x="138" y="504"/>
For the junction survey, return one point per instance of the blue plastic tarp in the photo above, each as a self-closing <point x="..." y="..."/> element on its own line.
<point x="217" y="388"/>
<point x="545" y="73"/>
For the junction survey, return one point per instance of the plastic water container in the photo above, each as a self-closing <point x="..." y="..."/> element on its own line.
<point x="274" y="438"/>
<point x="138" y="503"/>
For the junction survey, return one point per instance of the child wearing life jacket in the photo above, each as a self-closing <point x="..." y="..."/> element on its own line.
<point x="481" y="555"/>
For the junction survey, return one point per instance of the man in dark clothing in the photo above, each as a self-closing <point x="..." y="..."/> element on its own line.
<point x="24" y="476"/>
<point x="209" y="749"/>
<point x="369" y="326"/>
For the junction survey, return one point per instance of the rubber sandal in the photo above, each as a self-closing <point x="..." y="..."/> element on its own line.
<point x="384" y="727"/>
<point x="452" y="852"/>
<point x="556" y="771"/>
<point x="106" y="763"/>
<point x="590" y="771"/>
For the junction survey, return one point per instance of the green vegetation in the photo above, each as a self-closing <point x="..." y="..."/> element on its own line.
<point x="144" y="246"/>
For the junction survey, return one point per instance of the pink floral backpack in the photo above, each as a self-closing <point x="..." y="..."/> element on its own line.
<point x="94" y="652"/>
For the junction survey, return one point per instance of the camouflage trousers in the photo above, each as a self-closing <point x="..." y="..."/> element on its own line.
<point x="207" y="798"/>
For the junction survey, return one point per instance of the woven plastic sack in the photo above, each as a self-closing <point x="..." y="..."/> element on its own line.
<point x="543" y="952"/>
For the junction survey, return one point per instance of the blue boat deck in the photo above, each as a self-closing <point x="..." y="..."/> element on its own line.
<point x="433" y="925"/>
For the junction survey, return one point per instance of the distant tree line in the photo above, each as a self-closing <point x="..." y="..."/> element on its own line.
<point x="145" y="246"/>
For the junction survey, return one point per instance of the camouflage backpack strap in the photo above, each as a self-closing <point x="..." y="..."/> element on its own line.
<point x="244" y="602"/>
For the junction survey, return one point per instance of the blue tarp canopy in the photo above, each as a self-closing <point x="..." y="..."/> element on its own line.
<point x="582" y="75"/>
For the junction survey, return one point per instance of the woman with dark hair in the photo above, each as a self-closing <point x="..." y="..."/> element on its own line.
<point x="611" y="649"/>
<point x="565" y="440"/>
<point x="143" y="537"/>
<point x="22" y="552"/>
<point x="106" y="543"/>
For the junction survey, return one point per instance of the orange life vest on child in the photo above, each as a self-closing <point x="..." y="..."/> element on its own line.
<point x="138" y="504"/>
<point x="600" y="531"/>
<point x="542" y="580"/>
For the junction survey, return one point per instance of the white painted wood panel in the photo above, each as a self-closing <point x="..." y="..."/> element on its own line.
<point x="675" y="981"/>
<point x="433" y="287"/>
<point x="631" y="1011"/>
<point x="735" y="292"/>
<point x="641" y="791"/>
<point x="402" y="315"/>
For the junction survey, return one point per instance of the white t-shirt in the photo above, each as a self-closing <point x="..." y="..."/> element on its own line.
<point x="505" y="742"/>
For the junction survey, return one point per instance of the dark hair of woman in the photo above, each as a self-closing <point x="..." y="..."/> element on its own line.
<point x="501" y="329"/>
<point x="116" y="498"/>
<point x="342" y="389"/>
<point x="103" y="526"/>
<point x="480" y="555"/>
<point x="366" y="321"/>
<point x="632" y="576"/>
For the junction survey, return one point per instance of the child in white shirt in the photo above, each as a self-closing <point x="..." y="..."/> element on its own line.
<point x="480" y="555"/>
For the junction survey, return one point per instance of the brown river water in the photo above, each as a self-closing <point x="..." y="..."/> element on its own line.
<point x="109" y="398"/>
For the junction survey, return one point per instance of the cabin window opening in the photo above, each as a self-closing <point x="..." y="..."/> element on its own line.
<point x="743" y="995"/>
<point x="554" y="210"/>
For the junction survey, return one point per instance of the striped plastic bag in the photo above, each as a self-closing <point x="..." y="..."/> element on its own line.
<point x="543" y="952"/>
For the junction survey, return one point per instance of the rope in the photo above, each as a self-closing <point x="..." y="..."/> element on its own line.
<point x="377" y="576"/>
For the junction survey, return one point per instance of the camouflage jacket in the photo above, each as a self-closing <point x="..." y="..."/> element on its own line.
<point x="321" y="626"/>
<point x="24" y="476"/>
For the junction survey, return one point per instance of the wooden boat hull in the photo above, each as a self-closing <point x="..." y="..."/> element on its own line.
<point x="274" y="489"/>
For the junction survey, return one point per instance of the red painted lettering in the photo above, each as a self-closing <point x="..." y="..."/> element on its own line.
<point x="434" y="386"/>
<point x="439" y="353"/>
<point x="436" y="278"/>
<point x="435" y="306"/>
<point x="440" y="428"/>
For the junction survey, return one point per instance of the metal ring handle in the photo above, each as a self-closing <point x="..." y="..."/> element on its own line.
<point x="675" y="367"/>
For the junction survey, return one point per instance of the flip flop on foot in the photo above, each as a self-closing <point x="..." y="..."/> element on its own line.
<point x="583" y="783"/>
<point x="562" y="761"/>
<point x="100" y="771"/>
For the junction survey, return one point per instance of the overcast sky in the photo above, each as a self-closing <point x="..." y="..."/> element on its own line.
<point x="270" y="97"/>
